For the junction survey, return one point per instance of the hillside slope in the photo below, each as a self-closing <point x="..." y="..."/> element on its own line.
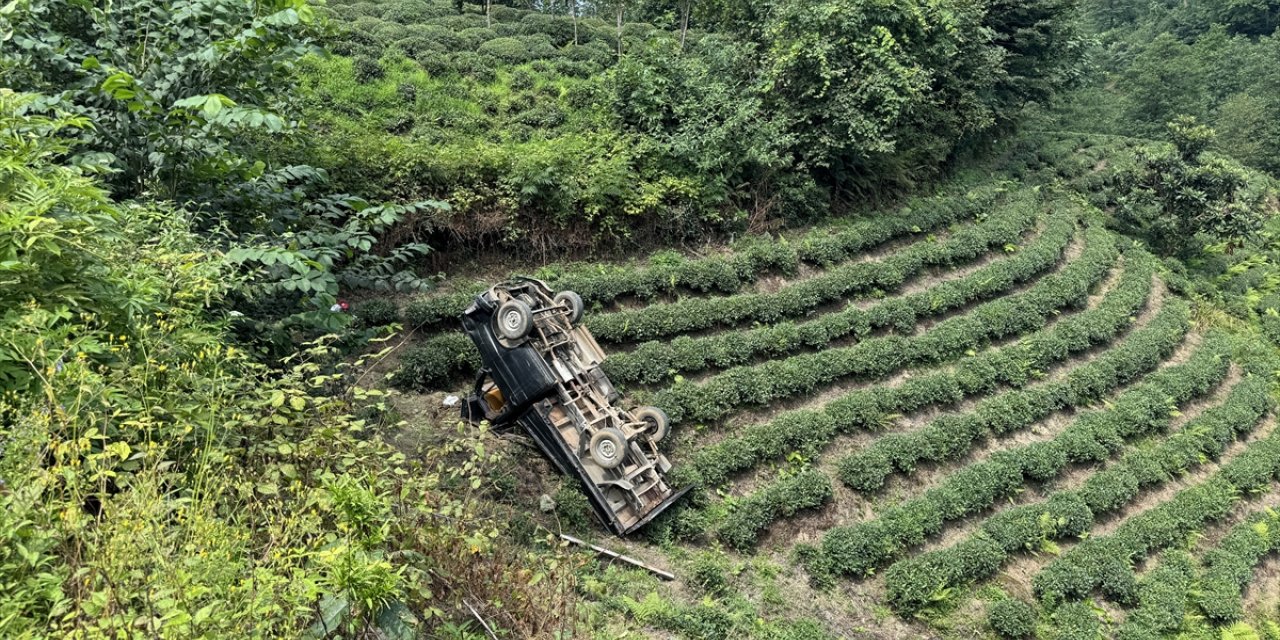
<point x="983" y="412"/>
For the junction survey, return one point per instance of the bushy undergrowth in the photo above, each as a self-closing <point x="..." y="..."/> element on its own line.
<point x="563" y="131"/>
<point x="156" y="481"/>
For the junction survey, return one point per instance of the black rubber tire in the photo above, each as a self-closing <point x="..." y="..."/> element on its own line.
<point x="608" y="448"/>
<point x="514" y="320"/>
<point x="576" y="307"/>
<point x="659" y="423"/>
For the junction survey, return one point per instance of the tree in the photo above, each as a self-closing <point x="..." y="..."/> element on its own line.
<point x="1166" y="79"/>
<point x="1175" y="195"/>
<point x="179" y="97"/>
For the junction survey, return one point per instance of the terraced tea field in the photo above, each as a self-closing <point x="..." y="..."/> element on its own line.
<point x="983" y="413"/>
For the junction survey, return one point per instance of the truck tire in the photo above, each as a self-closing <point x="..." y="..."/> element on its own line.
<point x="608" y="448"/>
<point x="514" y="320"/>
<point x="574" y="301"/>
<point x="658" y="424"/>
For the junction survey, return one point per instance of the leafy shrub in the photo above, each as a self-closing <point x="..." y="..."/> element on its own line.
<point x="709" y="572"/>
<point x="522" y="79"/>
<point x="440" y="358"/>
<point x="572" y="507"/>
<point x="510" y="50"/>
<point x="1078" y="621"/>
<point x="1012" y="618"/>
<point x="416" y="47"/>
<point x="557" y="29"/>
<point x="805" y="490"/>
<point x="476" y="37"/>
<point x="376" y="313"/>
<point x="539" y="47"/>
<point x="1163" y="599"/>
<point x="1158" y="202"/>
<point x="1228" y="567"/>
<point x="368" y="69"/>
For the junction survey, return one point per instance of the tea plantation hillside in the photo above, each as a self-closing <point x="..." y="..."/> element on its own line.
<point x="983" y="413"/>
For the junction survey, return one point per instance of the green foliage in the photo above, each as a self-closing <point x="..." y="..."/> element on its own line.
<point x="1144" y="410"/>
<point x="1012" y="618"/>
<point x="378" y="312"/>
<point x="951" y="437"/>
<point x="809" y="430"/>
<point x="807" y="489"/>
<point x="1228" y="568"/>
<point x="1162" y="597"/>
<point x="180" y="98"/>
<point x="155" y="481"/>
<point x="749" y="118"/>
<point x="653" y="361"/>
<point x="1078" y="621"/>
<point x="1092" y="563"/>
<point x="67" y="252"/>
<point x="1071" y="512"/>
<point x="1171" y="198"/>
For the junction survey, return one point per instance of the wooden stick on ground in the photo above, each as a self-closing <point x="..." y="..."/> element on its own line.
<point x="481" y="619"/>
<point x="618" y="556"/>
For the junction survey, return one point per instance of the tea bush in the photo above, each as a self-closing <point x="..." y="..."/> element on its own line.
<point x="807" y="489"/>
<point x="1011" y="618"/>
<point x="1228" y="567"/>
<point x="1162" y="598"/>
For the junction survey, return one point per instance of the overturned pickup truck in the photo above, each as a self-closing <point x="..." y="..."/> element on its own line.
<point x="542" y="371"/>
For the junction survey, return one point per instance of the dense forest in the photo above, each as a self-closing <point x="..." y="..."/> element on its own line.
<point x="965" y="314"/>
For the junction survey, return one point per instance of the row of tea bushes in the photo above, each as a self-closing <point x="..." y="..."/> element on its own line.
<point x="1071" y="512"/>
<point x="657" y="360"/>
<point x="695" y="314"/>
<point x="1146" y="409"/>
<point x="949" y="438"/>
<point x="809" y="430"/>
<point x="782" y="499"/>
<point x="769" y="381"/>
<point x="953" y="436"/>
<point x="1229" y="566"/>
<point x="753" y="259"/>
<point x="1162" y="599"/>
<point x="445" y="356"/>
<point x="1106" y="562"/>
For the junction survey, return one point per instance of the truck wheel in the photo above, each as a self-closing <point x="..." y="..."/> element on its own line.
<point x="608" y="448"/>
<point x="658" y="424"/>
<point x="575" y="305"/>
<point x="514" y="319"/>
